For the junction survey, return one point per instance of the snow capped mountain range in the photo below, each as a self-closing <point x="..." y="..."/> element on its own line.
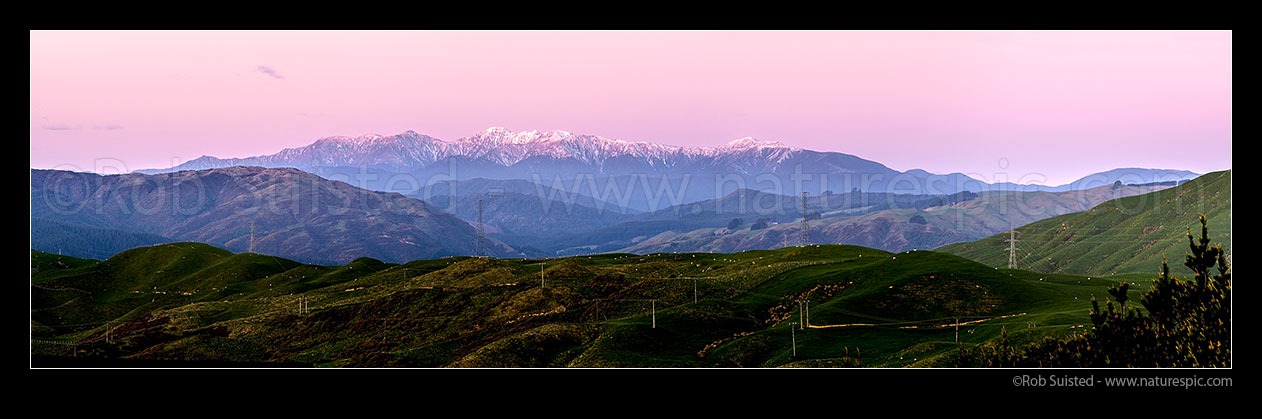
<point x="410" y="150"/>
<point x="542" y="156"/>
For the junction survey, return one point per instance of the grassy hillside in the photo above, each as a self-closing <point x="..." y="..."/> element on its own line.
<point x="193" y="302"/>
<point x="1119" y="236"/>
<point x="44" y="261"/>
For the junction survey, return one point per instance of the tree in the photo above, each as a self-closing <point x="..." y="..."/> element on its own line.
<point x="735" y="224"/>
<point x="760" y="224"/>
<point x="1185" y="324"/>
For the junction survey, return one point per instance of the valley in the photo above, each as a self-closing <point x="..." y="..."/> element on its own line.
<point x="190" y="302"/>
<point x="978" y="201"/>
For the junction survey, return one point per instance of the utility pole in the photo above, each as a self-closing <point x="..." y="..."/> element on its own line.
<point x="793" y="335"/>
<point x="654" y="305"/>
<point x="957" y="329"/>
<point x="801" y="316"/>
<point x="694" y="290"/>
<point x="541" y="284"/>
<point x="808" y="313"/>
<point x="251" y="236"/>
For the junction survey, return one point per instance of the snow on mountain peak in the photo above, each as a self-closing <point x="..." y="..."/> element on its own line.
<point x="409" y="149"/>
<point x="751" y="142"/>
<point x="342" y="140"/>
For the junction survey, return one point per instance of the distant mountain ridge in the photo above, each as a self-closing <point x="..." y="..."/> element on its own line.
<point x="1125" y="175"/>
<point x="410" y="162"/>
<point x="285" y="212"/>
<point x="899" y="228"/>
<point x="409" y="150"/>
<point x="558" y="155"/>
<point x="745" y="207"/>
<point x="86" y="241"/>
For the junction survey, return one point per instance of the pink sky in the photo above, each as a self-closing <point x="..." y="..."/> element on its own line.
<point x="1056" y="105"/>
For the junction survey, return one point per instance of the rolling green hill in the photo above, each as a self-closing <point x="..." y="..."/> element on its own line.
<point x="1126" y="235"/>
<point x="194" y="302"/>
<point x="44" y="261"/>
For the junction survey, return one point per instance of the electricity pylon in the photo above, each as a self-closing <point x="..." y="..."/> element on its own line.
<point x="479" y="247"/>
<point x="806" y="225"/>
<point x="1012" y="246"/>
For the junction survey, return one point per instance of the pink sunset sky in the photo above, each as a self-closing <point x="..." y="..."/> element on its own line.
<point x="1054" y="105"/>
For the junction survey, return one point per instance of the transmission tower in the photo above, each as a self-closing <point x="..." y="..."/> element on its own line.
<point x="1012" y="246"/>
<point x="479" y="245"/>
<point x="806" y="225"/>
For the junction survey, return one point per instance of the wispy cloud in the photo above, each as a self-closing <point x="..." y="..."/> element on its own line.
<point x="57" y="126"/>
<point x="270" y="72"/>
<point x="61" y="126"/>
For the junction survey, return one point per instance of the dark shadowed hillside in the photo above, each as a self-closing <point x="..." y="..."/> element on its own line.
<point x="86" y="241"/>
<point x="288" y="213"/>
<point x="922" y="223"/>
